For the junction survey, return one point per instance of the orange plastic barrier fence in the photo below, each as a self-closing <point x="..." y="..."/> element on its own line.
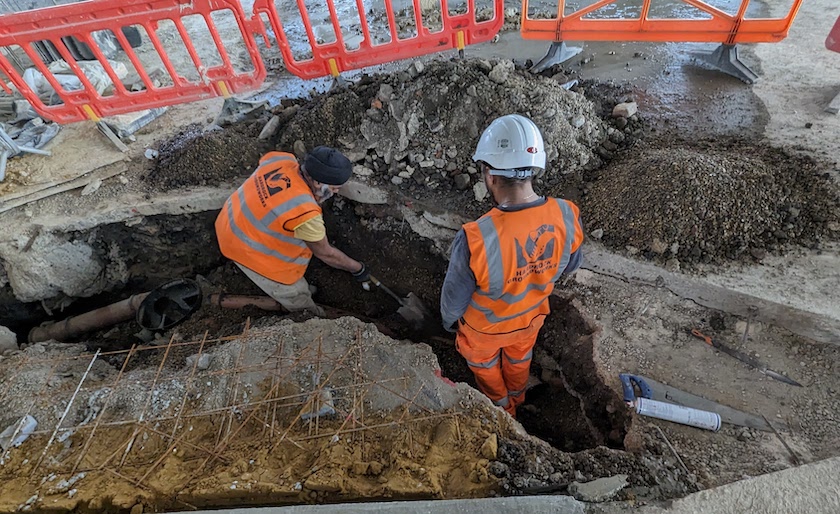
<point x="715" y="25"/>
<point x="181" y="55"/>
<point x="832" y="42"/>
<point x="333" y="53"/>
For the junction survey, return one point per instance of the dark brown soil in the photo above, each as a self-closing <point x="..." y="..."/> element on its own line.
<point x="573" y="409"/>
<point x="197" y="158"/>
<point x="403" y="261"/>
<point x="710" y="201"/>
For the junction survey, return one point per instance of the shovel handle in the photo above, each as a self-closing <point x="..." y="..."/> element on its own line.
<point x="383" y="287"/>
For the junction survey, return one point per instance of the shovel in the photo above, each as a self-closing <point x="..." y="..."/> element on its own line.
<point x="411" y="307"/>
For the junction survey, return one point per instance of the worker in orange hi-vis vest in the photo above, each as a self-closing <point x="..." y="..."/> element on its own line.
<point x="272" y="225"/>
<point x="504" y="265"/>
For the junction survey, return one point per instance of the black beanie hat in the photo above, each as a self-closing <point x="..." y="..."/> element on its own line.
<point x="328" y="166"/>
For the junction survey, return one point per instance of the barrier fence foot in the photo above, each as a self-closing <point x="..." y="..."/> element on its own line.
<point x="557" y="53"/>
<point x="234" y="110"/>
<point x="112" y="137"/>
<point x="834" y="106"/>
<point x="725" y="58"/>
<point x="340" y="82"/>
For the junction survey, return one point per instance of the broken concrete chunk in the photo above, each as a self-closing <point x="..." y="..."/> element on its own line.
<point x="363" y="193"/>
<point x="54" y="266"/>
<point x="416" y="69"/>
<point x="8" y="339"/>
<point x="362" y="171"/>
<point x="462" y="181"/>
<point x="480" y="190"/>
<point x="600" y="490"/>
<point x="64" y="485"/>
<point x="299" y="148"/>
<point x="270" y="128"/>
<point x="203" y="361"/>
<point x="15" y="434"/>
<point x="92" y="187"/>
<point x="385" y="92"/>
<point x="625" y="110"/>
<point x="500" y="72"/>
<point x="597" y="234"/>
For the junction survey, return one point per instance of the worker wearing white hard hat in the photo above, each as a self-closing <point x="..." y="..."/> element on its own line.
<point x="504" y="265"/>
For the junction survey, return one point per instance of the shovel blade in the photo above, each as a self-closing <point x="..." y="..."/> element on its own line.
<point x="414" y="311"/>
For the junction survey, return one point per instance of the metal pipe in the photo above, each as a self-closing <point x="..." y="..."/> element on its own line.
<point x="98" y="319"/>
<point x="226" y="301"/>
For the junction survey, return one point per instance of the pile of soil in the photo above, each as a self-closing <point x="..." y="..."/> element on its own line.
<point x="194" y="157"/>
<point x="711" y="201"/>
<point x="418" y="128"/>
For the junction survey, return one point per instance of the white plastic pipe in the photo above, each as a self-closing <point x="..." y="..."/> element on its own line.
<point x="678" y="414"/>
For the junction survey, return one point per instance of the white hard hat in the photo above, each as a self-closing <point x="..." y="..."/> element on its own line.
<point x="512" y="146"/>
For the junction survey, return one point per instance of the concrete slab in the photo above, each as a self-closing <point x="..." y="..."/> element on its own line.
<point x="812" y="488"/>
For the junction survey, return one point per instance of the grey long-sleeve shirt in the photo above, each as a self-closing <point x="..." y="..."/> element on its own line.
<point x="459" y="285"/>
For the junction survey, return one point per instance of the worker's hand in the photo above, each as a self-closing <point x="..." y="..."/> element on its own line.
<point x="363" y="275"/>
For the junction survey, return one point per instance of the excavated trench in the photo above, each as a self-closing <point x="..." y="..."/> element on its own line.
<point x="572" y="409"/>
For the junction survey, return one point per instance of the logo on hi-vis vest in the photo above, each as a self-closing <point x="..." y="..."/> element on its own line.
<point x="276" y="181"/>
<point x="534" y="254"/>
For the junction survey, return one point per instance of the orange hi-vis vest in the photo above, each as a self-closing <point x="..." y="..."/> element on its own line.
<point x="256" y="225"/>
<point x="516" y="257"/>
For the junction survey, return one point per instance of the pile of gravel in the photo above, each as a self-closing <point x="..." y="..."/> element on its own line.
<point x="418" y="128"/>
<point x="706" y="204"/>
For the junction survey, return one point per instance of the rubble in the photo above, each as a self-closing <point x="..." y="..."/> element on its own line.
<point x="200" y="363"/>
<point x="431" y="123"/>
<point x="625" y="110"/>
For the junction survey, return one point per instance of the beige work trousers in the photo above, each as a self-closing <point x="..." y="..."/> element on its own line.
<point x="293" y="297"/>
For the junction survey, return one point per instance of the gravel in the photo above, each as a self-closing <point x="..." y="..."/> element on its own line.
<point x="711" y="202"/>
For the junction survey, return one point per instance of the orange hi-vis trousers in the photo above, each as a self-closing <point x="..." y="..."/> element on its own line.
<point x="500" y="362"/>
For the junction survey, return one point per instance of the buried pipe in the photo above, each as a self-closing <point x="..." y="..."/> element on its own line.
<point x="226" y="301"/>
<point x="98" y="319"/>
<point x="126" y="310"/>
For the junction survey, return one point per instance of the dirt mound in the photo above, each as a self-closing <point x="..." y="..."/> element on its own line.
<point x="419" y="127"/>
<point x="710" y="202"/>
<point x="197" y="158"/>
